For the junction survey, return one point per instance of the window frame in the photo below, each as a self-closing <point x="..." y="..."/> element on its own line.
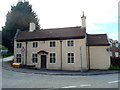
<point x="52" y="44"/>
<point x="34" y="58"/>
<point x="52" y="57"/>
<point x="70" y="43"/>
<point x="18" y="58"/>
<point x="19" y="45"/>
<point x="35" y="44"/>
<point x="70" y="57"/>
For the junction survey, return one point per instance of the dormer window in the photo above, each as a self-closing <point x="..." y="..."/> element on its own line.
<point x="70" y="43"/>
<point x="52" y="43"/>
<point x="35" y="44"/>
<point x="19" y="45"/>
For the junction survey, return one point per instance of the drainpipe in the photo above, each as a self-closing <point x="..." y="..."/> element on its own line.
<point x="89" y="57"/>
<point x="61" y="52"/>
<point x="26" y="53"/>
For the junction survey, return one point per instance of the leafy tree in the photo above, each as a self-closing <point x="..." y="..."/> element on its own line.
<point x="18" y="18"/>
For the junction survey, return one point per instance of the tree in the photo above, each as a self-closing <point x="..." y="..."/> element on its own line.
<point x="18" y="18"/>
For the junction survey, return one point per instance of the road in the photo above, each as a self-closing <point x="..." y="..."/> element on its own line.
<point x="11" y="79"/>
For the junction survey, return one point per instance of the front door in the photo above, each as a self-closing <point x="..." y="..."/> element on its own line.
<point x="43" y="61"/>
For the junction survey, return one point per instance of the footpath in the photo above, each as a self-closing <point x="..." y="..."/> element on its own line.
<point x="7" y="66"/>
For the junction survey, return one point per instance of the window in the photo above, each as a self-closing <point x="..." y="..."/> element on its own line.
<point x="35" y="44"/>
<point x="116" y="54"/>
<point x="18" y="58"/>
<point x="110" y="53"/>
<point x="116" y="44"/>
<point x="34" y="58"/>
<point x="70" y="57"/>
<point x="19" y="45"/>
<point x="52" y="43"/>
<point x="70" y="43"/>
<point x="52" y="57"/>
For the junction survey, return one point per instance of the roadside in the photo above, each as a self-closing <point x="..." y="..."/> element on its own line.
<point x="7" y="65"/>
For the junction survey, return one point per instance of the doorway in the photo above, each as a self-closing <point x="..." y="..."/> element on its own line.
<point x="43" y="61"/>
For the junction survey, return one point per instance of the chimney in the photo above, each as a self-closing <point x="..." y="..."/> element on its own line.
<point x="32" y="27"/>
<point x="83" y="20"/>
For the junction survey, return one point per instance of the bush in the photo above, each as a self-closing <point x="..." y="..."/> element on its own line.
<point x="114" y="67"/>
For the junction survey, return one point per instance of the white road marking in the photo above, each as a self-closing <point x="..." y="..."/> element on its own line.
<point x="85" y="85"/>
<point x="69" y="87"/>
<point x="114" y="81"/>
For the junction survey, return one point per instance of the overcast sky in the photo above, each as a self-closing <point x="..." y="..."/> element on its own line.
<point x="101" y="15"/>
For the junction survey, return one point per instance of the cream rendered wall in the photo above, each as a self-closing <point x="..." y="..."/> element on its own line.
<point x="76" y="50"/>
<point x="45" y="45"/>
<point x="99" y="57"/>
<point x="18" y="51"/>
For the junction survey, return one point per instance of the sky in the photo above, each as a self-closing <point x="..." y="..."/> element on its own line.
<point x="101" y="15"/>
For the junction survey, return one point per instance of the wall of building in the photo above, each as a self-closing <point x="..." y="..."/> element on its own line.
<point x="45" y="45"/>
<point x="76" y="50"/>
<point x="99" y="57"/>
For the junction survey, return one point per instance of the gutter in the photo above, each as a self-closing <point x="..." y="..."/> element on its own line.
<point x="88" y="57"/>
<point x="61" y="52"/>
<point x="26" y="53"/>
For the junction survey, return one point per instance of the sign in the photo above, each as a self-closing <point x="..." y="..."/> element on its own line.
<point x="4" y="51"/>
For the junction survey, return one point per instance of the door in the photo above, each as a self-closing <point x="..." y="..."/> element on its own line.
<point x="43" y="61"/>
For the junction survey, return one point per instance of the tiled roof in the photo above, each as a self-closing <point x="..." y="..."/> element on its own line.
<point x="97" y="40"/>
<point x="52" y="34"/>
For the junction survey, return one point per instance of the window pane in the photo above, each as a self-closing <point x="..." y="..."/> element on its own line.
<point x="50" y="60"/>
<point x="72" y="54"/>
<point x="68" y="54"/>
<point x="68" y="60"/>
<point x="51" y="44"/>
<point x="68" y="43"/>
<point x="72" y="43"/>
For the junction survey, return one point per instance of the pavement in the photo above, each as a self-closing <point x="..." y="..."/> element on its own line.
<point x="7" y="66"/>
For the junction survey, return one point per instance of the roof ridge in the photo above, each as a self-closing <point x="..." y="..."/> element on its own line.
<point x="62" y="28"/>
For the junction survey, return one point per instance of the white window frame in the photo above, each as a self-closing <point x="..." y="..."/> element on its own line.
<point x="71" y="57"/>
<point x="19" y="45"/>
<point x="35" y="44"/>
<point x="18" y="58"/>
<point x="52" y="44"/>
<point x="52" y="57"/>
<point x="34" y="58"/>
<point x="70" y="43"/>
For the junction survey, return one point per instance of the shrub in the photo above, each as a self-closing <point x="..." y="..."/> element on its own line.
<point x="114" y="67"/>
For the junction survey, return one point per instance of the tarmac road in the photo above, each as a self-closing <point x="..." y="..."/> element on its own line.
<point x="11" y="79"/>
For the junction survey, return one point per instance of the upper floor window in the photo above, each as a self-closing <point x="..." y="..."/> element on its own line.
<point x="34" y="58"/>
<point x="110" y="53"/>
<point x="18" y="58"/>
<point x="52" y="43"/>
<point x="70" y="43"/>
<point x="116" y="54"/>
<point x="19" y="45"/>
<point x="35" y="44"/>
<point x="70" y="57"/>
<point x="52" y="57"/>
<point x="117" y="44"/>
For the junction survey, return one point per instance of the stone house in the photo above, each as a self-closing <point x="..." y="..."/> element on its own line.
<point x="68" y="48"/>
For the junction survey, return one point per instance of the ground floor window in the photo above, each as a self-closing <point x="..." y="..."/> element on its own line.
<point x="70" y="57"/>
<point x="34" y="58"/>
<point x="18" y="58"/>
<point x="52" y="57"/>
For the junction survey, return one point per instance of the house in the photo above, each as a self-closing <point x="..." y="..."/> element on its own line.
<point x="68" y="48"/>
<point x="114" y="48"/>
